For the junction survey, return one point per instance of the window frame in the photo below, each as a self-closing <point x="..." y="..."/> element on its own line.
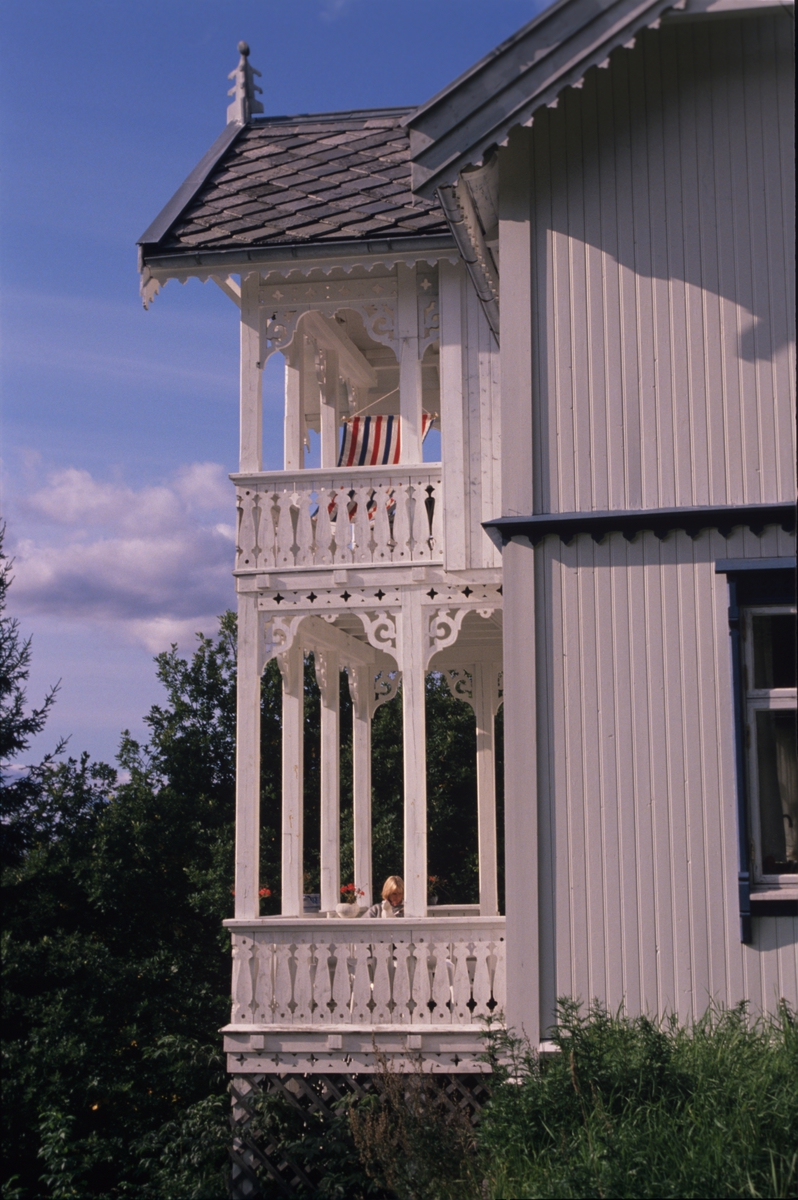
<point x="753" y="583"/>
<point x="761" y="700"/>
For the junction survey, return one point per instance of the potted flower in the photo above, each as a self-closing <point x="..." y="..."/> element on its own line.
<point x="434" y="885"/>
<point x="350" y="905"/>
<point x="263" y="892"/>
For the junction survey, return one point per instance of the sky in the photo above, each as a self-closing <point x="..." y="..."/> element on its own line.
<point x="118" y="426"/>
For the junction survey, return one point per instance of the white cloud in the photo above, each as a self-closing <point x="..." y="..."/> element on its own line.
<point x="332" y="9"/>
<point x="154" y="562"/>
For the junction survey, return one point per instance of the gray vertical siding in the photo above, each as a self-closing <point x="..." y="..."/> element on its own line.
<point x="482" y="432"/>
<point x="636" y="779"/>
<point x="663" y="266"/>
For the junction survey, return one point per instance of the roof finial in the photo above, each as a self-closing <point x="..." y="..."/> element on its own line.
<point x="243" y="90"/>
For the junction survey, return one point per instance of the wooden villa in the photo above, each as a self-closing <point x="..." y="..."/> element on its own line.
<point x="578" y="260"/>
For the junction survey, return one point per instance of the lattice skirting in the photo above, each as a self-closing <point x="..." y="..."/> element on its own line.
<point x="260" y="1168"/>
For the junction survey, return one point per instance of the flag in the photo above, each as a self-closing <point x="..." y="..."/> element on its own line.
<point x="375" y="441"/>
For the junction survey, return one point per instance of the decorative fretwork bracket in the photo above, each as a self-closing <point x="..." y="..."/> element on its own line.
<point x="279" y="634"/>
<point x="443" y="629"/>
<point x="463" y="683"/>
<point x="282" y="307"/>
<point x="370" y="690"/>
<point x="380" y="628"/>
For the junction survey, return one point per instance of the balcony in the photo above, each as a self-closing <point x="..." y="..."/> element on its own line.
<point x="369" y="516"/>
<point x="315" y="995"/>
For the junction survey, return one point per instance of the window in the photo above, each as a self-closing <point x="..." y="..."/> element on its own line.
<point x="762" y="623"/>
<point x="769" y="680"/>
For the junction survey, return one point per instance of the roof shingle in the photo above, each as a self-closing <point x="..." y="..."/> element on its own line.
<point x="303" y="180"/>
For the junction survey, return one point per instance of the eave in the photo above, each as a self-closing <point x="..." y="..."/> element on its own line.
<point x="466" y="121"/>
<point x="245" y="257"/>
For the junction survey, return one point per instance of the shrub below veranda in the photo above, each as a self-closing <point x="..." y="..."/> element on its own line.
<point x="636" y="1109"/>
<point x="626" y="1108"/>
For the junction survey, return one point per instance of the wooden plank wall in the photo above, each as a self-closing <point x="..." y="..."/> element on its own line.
<point x="638" y="869"/>
<point x="470" y="425"/>
<point x="482" y="432"/>
<point x="663" y="262"/>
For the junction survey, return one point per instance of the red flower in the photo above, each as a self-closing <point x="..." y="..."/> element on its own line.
<point x="265" y="892"/>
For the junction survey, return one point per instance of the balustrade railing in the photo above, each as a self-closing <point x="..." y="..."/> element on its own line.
<point x="434" y="972"/>
<point x="361" y="515"/>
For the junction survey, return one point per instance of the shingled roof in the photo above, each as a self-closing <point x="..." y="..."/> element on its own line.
<point x="298" y="180"/>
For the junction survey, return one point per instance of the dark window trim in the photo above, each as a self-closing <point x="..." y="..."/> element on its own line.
<point x="751" y="581"/>
<point x="788" y="907"/>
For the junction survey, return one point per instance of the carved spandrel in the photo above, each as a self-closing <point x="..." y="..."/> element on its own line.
<point x="460" y="681"/>
<point x="379" y="318"/>
<point x="380" y="628"/>
<point x="443" y="629"/>
<point x="464" y="681"/>
<point x="279" y="635"/>
<point x="277" y="331"/>
<point x="279" y="321"/>
<point x="369" y="689"/>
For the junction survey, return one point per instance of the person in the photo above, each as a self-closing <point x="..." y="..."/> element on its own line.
<point x="393" y="899"/>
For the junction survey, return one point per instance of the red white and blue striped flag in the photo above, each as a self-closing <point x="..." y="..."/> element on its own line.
<point x="375" y="441"/>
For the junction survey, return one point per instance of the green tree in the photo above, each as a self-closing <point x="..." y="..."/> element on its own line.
<point x="116" y="967"/>
<point x="19" y="790"/>
<point x="115" y="883"/>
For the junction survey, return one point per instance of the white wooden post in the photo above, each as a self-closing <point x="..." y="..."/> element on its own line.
<point x="520" y="693"/>
<point x="361" y="689"/>
<point x="251" y="390"/>
<point x="412" y="660"/>
<point x="329" y="411"/>
<point x="247" y="841"/>
<point x="450" y="281"/>
<point x="409" y="364"/>
<point x="294" y="437"/>
<point x="485" y="676"/>
<point x="292" y="670"/>
<point x="328" y="676"/>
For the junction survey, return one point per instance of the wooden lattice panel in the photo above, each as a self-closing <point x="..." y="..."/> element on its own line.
<point x="261" y="1167"/>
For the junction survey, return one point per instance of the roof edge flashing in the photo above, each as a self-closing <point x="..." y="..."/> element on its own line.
<point x="190" y="186"/>
<point x="326" y="255"/>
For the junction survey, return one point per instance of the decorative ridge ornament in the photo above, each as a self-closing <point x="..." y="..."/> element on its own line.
<point x="243" y="90"/>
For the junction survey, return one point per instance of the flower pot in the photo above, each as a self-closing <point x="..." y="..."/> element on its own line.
<point x="432" y="901"/>
<point x="348" y="910"/>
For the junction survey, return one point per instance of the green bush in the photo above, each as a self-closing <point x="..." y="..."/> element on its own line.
<point x="629" y="1107"/>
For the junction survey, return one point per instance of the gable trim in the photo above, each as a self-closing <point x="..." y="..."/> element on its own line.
<point x="466" y="121"/>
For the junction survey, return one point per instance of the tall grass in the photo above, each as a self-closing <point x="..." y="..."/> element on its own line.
<point x="627" y="1107"/>
<point x="633" y="1108"/>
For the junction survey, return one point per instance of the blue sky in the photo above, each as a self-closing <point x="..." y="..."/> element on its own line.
<point x="119" y="426"/>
